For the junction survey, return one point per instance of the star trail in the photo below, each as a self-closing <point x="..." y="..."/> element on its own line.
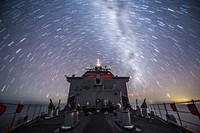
<point x="155" y="42"/>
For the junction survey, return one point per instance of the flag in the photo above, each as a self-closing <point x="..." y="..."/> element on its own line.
<point x="19" y="108"/>
<point x="193" y="109"/>
<point x="173" y="106"/>
<point x="2" y="109"/>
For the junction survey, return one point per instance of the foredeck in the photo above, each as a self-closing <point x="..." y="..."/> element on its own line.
<point x="100" y="123"/>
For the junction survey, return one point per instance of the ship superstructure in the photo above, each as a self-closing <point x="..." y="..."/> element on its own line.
<point x="97" y="89"/>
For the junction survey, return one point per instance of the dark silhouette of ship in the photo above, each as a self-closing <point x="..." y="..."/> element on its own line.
<point x="98" y="103"/>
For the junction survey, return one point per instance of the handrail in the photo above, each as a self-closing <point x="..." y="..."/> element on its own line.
<point x="11" y="118"/>
<point x="184" y="101"/>
<point x="181" y="111"/>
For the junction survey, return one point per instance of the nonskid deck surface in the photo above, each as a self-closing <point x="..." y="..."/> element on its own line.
<point x="154" y="125"/>
<point x="99" y="123"/>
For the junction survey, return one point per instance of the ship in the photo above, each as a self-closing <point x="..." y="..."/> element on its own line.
<point x="98" y="103"/>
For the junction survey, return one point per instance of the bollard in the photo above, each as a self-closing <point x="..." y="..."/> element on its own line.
<point x="50" y="113"/>
<point x="126" y="120"/>
<point x="138" y="111"/>
<point x="119" y="116"/>
<point x="76" y="119"/>
<point x="57" y="109"/>
<point x="144" y="112"/>
<point x="69" y="118"/>
<point x="56" y="112"/>
<point x="51" y="108"/>
<point x="69" y="121"/>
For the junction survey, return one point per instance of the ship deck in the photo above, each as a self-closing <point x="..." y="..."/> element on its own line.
<point x="100" y="123"/>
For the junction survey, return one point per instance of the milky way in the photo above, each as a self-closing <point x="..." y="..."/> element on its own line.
<point x="155" y="42"/>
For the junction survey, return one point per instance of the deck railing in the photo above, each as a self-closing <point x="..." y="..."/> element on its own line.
<point x="184" y="114"/>
<point x="17" y="114"/>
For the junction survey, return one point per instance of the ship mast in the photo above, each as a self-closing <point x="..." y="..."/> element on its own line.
<point x="98" y="67"/>
<point x="98" y="63"/>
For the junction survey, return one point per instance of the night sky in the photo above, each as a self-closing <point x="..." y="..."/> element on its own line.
<point x="155" y="42"/>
